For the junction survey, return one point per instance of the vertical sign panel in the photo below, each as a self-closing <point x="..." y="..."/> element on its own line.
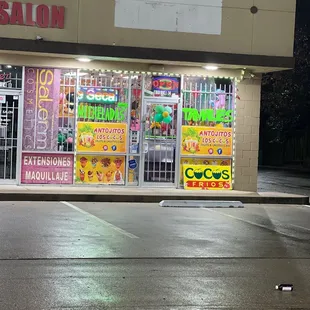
<point x="40" y="124"/>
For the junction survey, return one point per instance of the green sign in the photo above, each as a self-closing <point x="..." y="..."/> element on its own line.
<point x="102" y="113"/>
<point x="219" y="116"/>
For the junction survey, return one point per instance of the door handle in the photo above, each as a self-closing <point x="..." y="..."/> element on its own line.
<point x="145" y="147"/>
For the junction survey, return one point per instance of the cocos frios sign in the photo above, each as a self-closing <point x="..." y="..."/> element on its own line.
<point x="207" y="177"/>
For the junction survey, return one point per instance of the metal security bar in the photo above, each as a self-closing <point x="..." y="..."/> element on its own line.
<point x="8" y="136"/>
<point x="111" y="80"/>
<point x="67" y="110"/>
<point x="207" y="93"/>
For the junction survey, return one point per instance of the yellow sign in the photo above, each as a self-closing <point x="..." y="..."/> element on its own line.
<point x="93" y="169"/>
<point x="102" y="137"/>
<point x="203" y="162"/>
<point x="208" y="141"/>
<point x="197" y="177"/>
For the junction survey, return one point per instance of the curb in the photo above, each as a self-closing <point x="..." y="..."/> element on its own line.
<point x="299" y="200"/>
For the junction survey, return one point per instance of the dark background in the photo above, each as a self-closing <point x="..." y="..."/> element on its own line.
<point x="285" y="112"/>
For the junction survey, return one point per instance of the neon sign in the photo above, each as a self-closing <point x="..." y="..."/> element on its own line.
<point x="165" y="85"/>
<point x="100" y="113"/>
<point x="98" y="95"/>
<point x="222" y="116"/>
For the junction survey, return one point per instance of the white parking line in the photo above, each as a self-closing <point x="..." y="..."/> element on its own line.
<point x="251" y="223"/>
<point x="306" y="206"/>
<point x="301" y="227"/>
<point x="121" y="231"/>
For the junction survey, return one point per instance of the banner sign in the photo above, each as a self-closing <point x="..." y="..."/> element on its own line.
<point x="207" y="141"/>
<point x="41" y="109"/>
<point x="102" y="137"/>
<point x="201" y="162"/>
<point x="165" y="86"/>
<point x="96" y="169"/>
<point x="29" y="14"/>
<point x="98" y="95"/>
<point x="197" y="177"/>
<point x="47" y="169"/>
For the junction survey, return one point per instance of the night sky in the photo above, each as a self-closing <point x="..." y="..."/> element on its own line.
<point x="303" y="13"/>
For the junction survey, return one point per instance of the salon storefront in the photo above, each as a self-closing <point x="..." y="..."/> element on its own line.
<point x="90" y="127"/>
<point x="174" y="103"/>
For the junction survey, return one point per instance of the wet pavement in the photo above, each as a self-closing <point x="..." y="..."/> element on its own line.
<point x="140" y="256"/>
<point x="283" y="181"/>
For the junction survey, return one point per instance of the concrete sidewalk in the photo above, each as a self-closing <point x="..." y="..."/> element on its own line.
<point x="146" y="195"/>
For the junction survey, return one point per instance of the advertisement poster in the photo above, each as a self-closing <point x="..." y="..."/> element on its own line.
<point x="47" y="169"/>
<point x="198" y="177"/>
<point x="102" y="137"/>
<point x="96" y="169"/>
<point x="202" y="162"/>
<point x="165" y="86"/>
<point x="41" y="109"/>
<point x="207" y="141"/>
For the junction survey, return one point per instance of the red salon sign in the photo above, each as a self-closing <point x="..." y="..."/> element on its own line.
<point x="28" y="14"/>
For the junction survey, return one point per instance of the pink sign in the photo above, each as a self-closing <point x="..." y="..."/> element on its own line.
<point x="47" y="169"/>
<point x="41" y="109"/>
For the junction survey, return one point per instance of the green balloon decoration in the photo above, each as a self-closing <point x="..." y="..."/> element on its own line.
<point x="158" y="118"/>
<point x="159" y="109"/>
<point x="163" y="114"/>
<point x="167" y="119"/>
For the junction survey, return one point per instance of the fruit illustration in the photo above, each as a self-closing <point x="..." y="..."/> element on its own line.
<point x="217" y="174"/>
<point x="82" y="175"/>
<point x="118" y="176"/>
<point x="226" y="185"/>
<point x="105" y="162"/>
<point x="90" y="175"/>
<point x="83" y="162"/>
<point x="198" y="173"/>
<point x="99" y="176"/>
<point x="118" y="162"/>
<point x="94" y="162"/>
<point x="109" y="175"/>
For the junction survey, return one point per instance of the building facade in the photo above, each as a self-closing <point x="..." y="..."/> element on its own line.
<point x="137" y="93"/>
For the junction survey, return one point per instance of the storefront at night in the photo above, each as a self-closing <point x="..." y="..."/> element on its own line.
<point x="119" y="118"/>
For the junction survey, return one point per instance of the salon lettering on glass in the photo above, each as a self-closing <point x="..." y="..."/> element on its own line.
<point x="103" y="113"/>
<point x="28" y="14"/>
<point x="208" y="115"/>
<point x="40" y="124"/>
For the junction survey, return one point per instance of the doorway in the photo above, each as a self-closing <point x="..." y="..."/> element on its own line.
<point x="160" y="141"/>
<point x="9" y="135"/>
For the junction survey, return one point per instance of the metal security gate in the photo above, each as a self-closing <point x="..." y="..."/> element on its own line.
<point x="160" y="141"/>
<point x="9" y="115"/>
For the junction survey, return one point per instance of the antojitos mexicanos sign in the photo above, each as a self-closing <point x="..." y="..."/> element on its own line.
<point x="28" y="14"/>
<point x="203" y="177"/>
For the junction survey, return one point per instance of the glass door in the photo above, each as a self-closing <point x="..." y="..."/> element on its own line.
<point x="9" y="104"/>
<point x="160" y="141"/>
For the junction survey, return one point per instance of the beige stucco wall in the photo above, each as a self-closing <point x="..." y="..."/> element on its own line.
<point x="247" y="134"/>
<point x="269" y="32"/>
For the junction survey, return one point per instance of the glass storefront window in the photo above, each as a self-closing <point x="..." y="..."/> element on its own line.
<point x="48" y="126"/>
<point x="102" y="128"/>
<point x="207" y="133"/>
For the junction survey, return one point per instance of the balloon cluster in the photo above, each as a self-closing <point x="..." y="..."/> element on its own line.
<point x="163" y="114"/>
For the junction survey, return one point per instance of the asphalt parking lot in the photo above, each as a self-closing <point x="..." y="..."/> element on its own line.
<point x="66" y="255"/>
